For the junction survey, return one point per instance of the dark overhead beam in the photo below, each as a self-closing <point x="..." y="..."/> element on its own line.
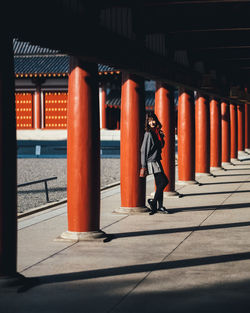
<point x="211" y="40"/>
<point x="205" y="30"/>
<point x="188" y="2"/>
<point x="223" y="47"/>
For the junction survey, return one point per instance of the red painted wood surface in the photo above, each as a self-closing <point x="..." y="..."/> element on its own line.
<point x="247" y="125"/>
<point x="233" y="131"/>
<point x="164" y="110"/>
<point x="56" y="110"/>
<point x="215" y="134"/>
<point x="241" y="127"/>
<point x="202" y="136"/>
<point x="186" y="137"/>
<point x="225" y="132"/>
<point x="132" y="129"/>
<point x="24" y="110"/>
<point x="83" y="148"/>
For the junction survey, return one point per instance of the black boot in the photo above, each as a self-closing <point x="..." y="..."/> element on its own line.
<point x="162" y="209"/>
<point x="153" y="206"/>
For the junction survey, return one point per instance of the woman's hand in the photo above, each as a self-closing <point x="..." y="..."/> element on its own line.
<point x="162" y="133"/>
<point x="143" y="172"/>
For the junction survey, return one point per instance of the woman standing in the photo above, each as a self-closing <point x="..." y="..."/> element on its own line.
<point x="152" y="145"/>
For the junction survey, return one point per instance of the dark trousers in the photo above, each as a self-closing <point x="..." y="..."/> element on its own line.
<point x="161" y="182"/>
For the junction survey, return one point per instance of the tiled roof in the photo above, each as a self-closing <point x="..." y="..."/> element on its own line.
<point x="113" y="98"/>
<point x="33" y="59"/>
<point x="45" y="64"/>
<point x="25" y="48"/>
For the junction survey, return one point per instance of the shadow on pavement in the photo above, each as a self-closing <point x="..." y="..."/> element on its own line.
<point x="211" y="207"/>
<point x="225" y="183"/>
<point x="175" y="230"/>
<point x="132" y="269"/>
<point x="213" y="193"/>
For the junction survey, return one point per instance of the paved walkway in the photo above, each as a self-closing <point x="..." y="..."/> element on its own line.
<point x="194" y="260"/>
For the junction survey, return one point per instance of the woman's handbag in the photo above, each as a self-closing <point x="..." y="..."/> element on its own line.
<point x="143" y="172"/>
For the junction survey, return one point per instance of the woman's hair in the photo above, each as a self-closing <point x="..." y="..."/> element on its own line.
<point x="151" y="116"/>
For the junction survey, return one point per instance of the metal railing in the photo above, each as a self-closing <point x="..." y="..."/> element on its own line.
<point x="45" y="180"/>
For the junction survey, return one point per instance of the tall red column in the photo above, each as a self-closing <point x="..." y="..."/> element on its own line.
<point x="247" y="127"/>
<point x="225" y="133"/>
<point x="37" y="108"/>
<point x="132" y="130"/>
<point x="8" y="182"/>
<point x="103" y="106"/>
<point x="202" y="136"/>
<point x="241" y="127"/>
<point x="83" y="153"/>
<point x="215" y="135"/>
<point x="186" y="138"/>
<point x="165" y="111"/>
<point x="234" y="132"/>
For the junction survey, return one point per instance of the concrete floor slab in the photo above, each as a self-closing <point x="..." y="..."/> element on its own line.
<point x="196" y="259"/>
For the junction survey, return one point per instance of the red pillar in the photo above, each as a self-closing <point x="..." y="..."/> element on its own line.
<point x="165" y="111"/>
<point x="225" y="133"/>
<point x="241" y="127"/>
<point x="234" y="132"/>
<point x="8" y="182"/>
<point x="215" y="135"/>
<point x="247" y="127"/>
<point x="118" y="118"/>
<point x="186" y="138"/>
<point x="132" y="130"/>
<point x="202" y="136"/>
<point x="37" y="108"/>
<point x="103" y="106"/>
<point x="83" y="158"/>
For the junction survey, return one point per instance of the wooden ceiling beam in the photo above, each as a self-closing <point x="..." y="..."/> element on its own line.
<point x="212" y="30"/>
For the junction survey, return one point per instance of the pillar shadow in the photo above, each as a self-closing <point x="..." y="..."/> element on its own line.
<point x="214" y="193"/>
<point x="138" y="268"/>
<point x="236" y="169"/>
<point x="224" y="183"/>
<point x="174" y="230"/>
<point x="240" y="164"/>
<point x="212" y="207"/>
<point x="229" y="175"/>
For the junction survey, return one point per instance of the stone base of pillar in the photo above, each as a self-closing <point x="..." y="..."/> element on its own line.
<point x="98" y="235"/>
<point x="187" y="182"/>
<point x="225" y="164"/>
<point x="171" y="194"/>
<point x="247" y="150"/>
<point x="202" y="174"/>
<point x="234" y="160"/>
<point x="131" y="210"/>
<point x="241" y="153"/>
<point x="215" y="168"/>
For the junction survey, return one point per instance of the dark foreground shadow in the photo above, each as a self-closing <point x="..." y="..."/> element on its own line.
<point x="120" y="295"/>
<point x="132" y="269"/>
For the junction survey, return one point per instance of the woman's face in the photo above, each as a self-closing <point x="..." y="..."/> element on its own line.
<point x="152" y="123"/>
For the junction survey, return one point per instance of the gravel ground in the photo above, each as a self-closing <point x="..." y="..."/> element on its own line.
<point x="34" y="169"/>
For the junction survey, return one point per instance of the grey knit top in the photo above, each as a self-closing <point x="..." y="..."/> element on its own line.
<point x="150" y="149"/>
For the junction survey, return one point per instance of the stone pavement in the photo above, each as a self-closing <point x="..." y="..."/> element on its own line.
<point x="196" y="259"/>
